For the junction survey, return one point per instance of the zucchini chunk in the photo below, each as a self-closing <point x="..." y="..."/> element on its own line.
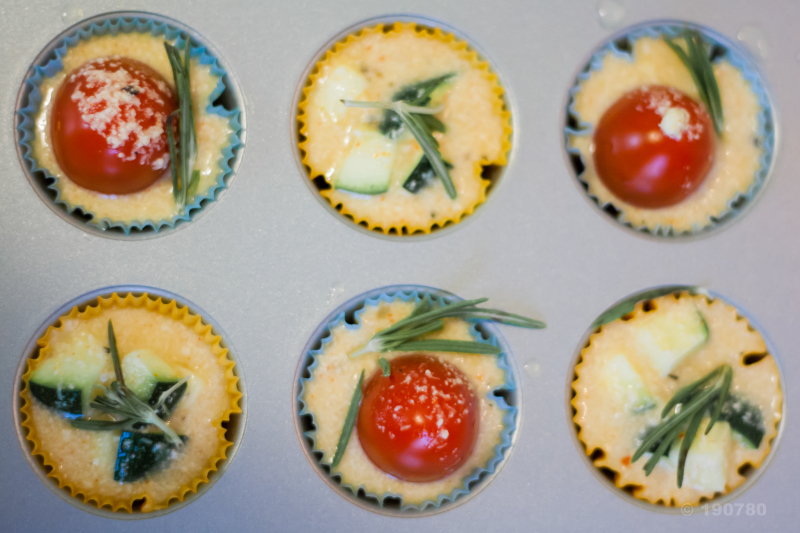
<point x="343" y="83"/>
<point x="140" y="452"/>
<point x="148" y="376"/>
<point x="627" y="387"/>
<point x="368" y="167"/>
<point x="421" y="175"/>
<point x="65" y="383"/>
<point x="744" y="418"/>
<point x="707" y="461"/>
<point x="665" y="338"/>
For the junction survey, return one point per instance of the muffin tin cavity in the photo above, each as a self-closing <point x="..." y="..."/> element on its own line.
<point x="639" y="306"/>
<point x="507" y="398"/>
<point x="233" y="428"/>
<point x="700" y="213"/>
<point x="491" y="172"/>
<point x="224" y="106"/>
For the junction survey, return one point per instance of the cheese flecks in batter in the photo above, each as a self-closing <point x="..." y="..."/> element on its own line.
<point x="327" y="396"/>
<point x="736" y="158"/>
<point x="616" y="401"/>
<point x="156" y="202"/>
<point x="85" y="460"/>
<point x="373" y="66"/>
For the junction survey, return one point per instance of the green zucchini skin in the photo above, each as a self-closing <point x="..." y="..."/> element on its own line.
<point x="744" y="418"/>
<point x="139" y="453"/>
<point x="172" y="400"/>
<point x="422" y="175"/>
<point x="67" y="401"/>
<point x="169" y="404"/>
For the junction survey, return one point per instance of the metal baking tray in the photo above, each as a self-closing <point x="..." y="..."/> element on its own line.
<point x="269" y="263"/>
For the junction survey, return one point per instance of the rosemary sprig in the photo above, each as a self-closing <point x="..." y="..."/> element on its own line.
<point x="413" y="118"/>
<point x="694" y="401"/>
<point x="697" y="60"/>
<point x="349" y="423"/>
<point x="183" y="188"/>
<point x="118" y="400"/>
<point x="427" y="318"/>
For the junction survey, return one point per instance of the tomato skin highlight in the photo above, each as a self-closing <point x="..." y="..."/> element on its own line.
<point x="654" y="147"/>
<point x="108" y="125"/>
<point x="421" y="423"/>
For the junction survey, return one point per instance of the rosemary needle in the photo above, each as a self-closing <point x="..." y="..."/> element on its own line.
<point x="349" y="423"/>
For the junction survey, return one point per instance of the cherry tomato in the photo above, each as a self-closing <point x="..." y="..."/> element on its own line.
<point x="654" y="147"/>
<point x="109" y="125"/>
<point x="420" y="423"/>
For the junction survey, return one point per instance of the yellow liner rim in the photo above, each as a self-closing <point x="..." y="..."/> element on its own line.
<point x="773" y="434"/>
<point x="165" y="304"/>
<point x="430" y="29"/>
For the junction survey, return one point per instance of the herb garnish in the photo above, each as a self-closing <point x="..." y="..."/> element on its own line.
<point x="183" y="188"/>
<point x="119" y="400"/>
<point x="688" y="407"/>
<point x="385" y="367"/>
<point x="700" y="67"/>
<point x="349" y="423"/>
<point x="427" y="318"/>
<point x="409" y="106"/>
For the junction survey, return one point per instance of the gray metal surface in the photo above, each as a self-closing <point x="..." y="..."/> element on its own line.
<point x="269" y="263"/>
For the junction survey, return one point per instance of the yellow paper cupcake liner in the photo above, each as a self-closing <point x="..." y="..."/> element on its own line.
<point x="167" y="309"/>
<point x="601" y="461"/>
<point x="466" y="53"/>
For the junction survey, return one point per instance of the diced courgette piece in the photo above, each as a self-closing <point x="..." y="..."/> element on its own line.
<point x="148" y="376"/>
<point x="140" y="453"/>
<point x="744" y="418"/>
<point x="707" y="461"/>
<point x="626" y="386"/>
<point x="665" y="337"/>
<point x="65" y="382"/>
<point x="368" y="167"/>
<point x="343" y="83"/>
<point x="421" y="175"/>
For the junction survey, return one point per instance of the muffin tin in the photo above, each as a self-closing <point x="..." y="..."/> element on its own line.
<point x="270" y="264"/>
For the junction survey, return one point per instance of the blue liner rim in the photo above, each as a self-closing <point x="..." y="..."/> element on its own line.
<point x="49" y="66"/>
<point x="738" y="58"/>
<point x="489" y="335"/>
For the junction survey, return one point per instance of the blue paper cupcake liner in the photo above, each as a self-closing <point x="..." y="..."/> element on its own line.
<point x="49" y="63"/>
<point x="620" y="45"/>
<point x="505" y="396"/>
